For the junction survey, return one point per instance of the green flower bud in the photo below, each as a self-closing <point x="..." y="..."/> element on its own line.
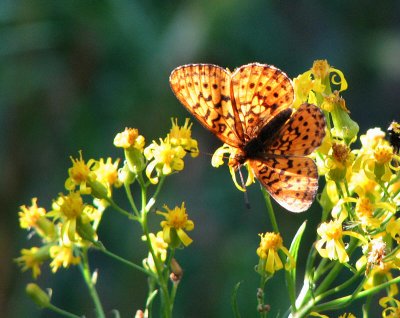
<point x="41" y="298"/>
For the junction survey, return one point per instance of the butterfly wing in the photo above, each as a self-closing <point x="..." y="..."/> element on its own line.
<point x="301" y="134"/>
<point x="260" y="92"/>
<point x="292" y="182"/>
<point x="204" y="89"/>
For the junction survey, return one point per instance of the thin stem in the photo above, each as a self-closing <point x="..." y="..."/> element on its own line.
<point x="126" y="262"/>
<point x="270" y="210"/>
<point x="335" y="270"/>
<point x="61" y="311"/>
<point x="130" y="199"/>
<point x="161" y="279"/>
<point x="337" y="303"/>
<point x="159" y="186"/>
<point x="120" y="210"/>
<point x="84" y="266"/>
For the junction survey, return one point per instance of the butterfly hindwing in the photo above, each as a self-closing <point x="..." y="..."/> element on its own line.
<point x="301" y="134"/>
<point x="204" y="89"/>
<point x="291" y="181"/>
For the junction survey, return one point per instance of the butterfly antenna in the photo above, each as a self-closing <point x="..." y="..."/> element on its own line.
<point x="246" y="196"/>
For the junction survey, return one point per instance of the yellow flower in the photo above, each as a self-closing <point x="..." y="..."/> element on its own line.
<point x="129" y="138"/>
<point x="181" y="136"/>
<point x="226" y="151"/>
<point x="375" y="156"/>
<point x="372" y="138"/>
<point x="29" y="216"/>
<point x="322" y="70"/>
<point x="160" y="250"/>
<point x="35" y="217"/>
<point x="270" y="260"/>
<point x="331" y="234"/>
<point x="79" y="174"/>
<point x="332" y="101"/>
<point x="176" y="221"/>
<point x="107" y="174"/>
<point x="304" y="88"/>
<point x="393" y="228"/>
<point x="63" y="256"/>
<point x="165" y="159"/>
<point x="338" y="162"/>
<point x="32" y="259"/>
<point x="391" y="311"/>
<point x="68" y="208"/>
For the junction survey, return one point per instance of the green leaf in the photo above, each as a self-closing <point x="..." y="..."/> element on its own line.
<point x="291" y="275"/>
<point x="235" y="306"/>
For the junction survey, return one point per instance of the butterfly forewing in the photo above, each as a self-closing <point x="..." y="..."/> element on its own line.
<point x="204" y="89"/>
<point x="301" y="134"/>
<point x="292" y="182"/>
<point x="260" y="93"/>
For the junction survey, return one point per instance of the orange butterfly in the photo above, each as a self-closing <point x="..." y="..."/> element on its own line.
<point x="249" y="110"/>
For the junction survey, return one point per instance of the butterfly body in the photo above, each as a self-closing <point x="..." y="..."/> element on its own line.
<point x="249" y="110"/>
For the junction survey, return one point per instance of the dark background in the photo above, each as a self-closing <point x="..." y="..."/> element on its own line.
<point x="74" y="73"/>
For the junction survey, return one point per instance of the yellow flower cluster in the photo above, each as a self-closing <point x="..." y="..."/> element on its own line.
<point x="71" y="223"/>
<point x="362" y="190"/>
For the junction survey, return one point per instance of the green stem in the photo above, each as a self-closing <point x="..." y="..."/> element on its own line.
<point x="84" y="266"/>
<point x="130" y="199"/>
<point x="62" y="311"/>
<point x="340" y="287"/>
<point x="126" y="262"/>
<point x="120" y="210"/>
<point x="270" y="210"/>
<point x="337" y="303"/>
<point x="161" y="279"/>
<point x="335" y="270"/>
<point x="159" y="186"/>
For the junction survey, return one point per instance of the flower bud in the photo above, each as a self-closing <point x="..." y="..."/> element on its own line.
<point x="41" y="298"/>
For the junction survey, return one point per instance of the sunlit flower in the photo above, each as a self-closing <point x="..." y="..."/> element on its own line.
<point x="182" y="136"/>
<point x="79" y="174"/>
<point x="35" y="217"/>
<point x="175" y="224"/>
<point x="32" y="259"/>
<point x="68" y="208"/>
<point x="159" y="247"/>
<point x="165" y="159"/>
<point x="304" y="88"/>
<point x="63" y="256"/>
<point x="390" y="311"/>
<point x="107" y="174"/>
<point x="375" y="156"/>
<point x="338" y="162"/>
<point x="29" y="216"/>
<point x="331" y="234"/>
<point x="226" y="151"/>
<point x="270" y="260"/>
<point x="322" y="70"/>
<point x="129" y="138"/>
<point x="393" y="228"/>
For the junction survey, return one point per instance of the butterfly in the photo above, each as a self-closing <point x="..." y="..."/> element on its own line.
<point x="249" y="109"/>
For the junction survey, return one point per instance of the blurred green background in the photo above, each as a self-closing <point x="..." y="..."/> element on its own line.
<point x="74" y="73"/>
